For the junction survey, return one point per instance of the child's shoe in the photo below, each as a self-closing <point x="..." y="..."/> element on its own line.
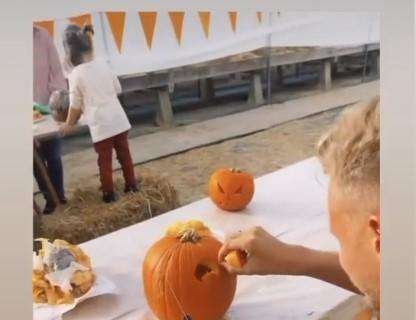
<point x="109" y="197"/>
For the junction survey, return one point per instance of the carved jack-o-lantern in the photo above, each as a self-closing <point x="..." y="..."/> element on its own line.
<point x="182" y="278"/>
<point x="231" y="189"/>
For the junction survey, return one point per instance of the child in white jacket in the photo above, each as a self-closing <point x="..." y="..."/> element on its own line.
<point x="93" y="91"/>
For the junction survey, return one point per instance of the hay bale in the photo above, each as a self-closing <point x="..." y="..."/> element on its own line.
<point x="86" y="217"/>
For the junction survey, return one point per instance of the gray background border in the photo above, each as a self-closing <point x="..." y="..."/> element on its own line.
<point x="397" y="120"/>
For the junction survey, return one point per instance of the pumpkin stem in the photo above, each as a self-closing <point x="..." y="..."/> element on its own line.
<point x="189" y="230"/>
<point x="235" y="170"/>
<point x="190" y="235"/>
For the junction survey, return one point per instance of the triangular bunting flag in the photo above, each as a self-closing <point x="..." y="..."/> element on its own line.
<point x="81" y="20"/>
<point x="233" y="19"/>
<point x="116" y="21"/>
<point x="205" y="17"/>
<point x="148" y="21"/>
<point x="48" y="25"/>
<point x="177" y="22"/>
<point x="259" y="16"/>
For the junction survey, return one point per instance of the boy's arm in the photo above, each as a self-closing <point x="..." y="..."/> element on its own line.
<point x="73" y="116"/>
<point x="323" y="266"/>
<point x="268" y="255"/>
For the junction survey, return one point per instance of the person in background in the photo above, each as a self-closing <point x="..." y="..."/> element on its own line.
<point x="48" y="77"/>
<point x="350" y="154"/>
<point x="93" y="92"/>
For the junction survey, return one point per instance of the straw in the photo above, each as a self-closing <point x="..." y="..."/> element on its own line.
<point x="86" y="216"/>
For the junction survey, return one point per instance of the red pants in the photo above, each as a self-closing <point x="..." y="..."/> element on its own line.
<point x="104" y="149"/>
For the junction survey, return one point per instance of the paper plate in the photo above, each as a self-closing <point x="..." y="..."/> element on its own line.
<point x="43" y="311"/>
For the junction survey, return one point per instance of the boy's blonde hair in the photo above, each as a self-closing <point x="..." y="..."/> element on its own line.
<point x="350" y="151"/>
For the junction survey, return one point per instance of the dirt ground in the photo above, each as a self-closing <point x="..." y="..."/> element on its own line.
<point x="258" y="153"/>
<point x="189" y="172"/>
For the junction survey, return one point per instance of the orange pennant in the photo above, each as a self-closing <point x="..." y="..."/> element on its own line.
<point x="81" y="20"/>
<point x="116" y="21"/>
<point x="148" y="21"/>
<point x="176" y="18"/>
<point x="48" y="25"/>
<point x="233" y="19"/>
<point x="205" y="17"/>
<point x="259" y="16"/>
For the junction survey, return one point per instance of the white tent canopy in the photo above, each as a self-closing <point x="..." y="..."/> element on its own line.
<point x="253" y="30"/>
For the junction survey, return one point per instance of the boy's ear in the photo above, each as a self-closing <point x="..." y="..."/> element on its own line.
<point x="374" y="223"/>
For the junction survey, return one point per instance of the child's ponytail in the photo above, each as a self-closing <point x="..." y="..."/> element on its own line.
<point x="88" y="29"/>
<point x="78" y="42"/>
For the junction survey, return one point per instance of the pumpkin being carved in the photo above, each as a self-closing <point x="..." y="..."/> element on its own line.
<point x="231" y="189"/>
<point x="182" y="278"/>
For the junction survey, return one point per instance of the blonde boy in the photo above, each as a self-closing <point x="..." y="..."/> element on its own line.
<point x="350" y="155"/>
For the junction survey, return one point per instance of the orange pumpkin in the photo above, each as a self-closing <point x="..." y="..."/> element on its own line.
<point x="182" y="278"/>
<point x="231" y="189"/>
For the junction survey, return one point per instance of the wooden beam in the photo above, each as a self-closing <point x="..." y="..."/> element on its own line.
<point x="238" y="76"/>
<point x="274" y="77"/>
<point x="279" y="75"/>
<point x="206" y="89"/>
<point x="164" y="112"/>
<point x="255" y="96"/>
<point x="37" y="221"/>
<point x="326" y="79"/>
<point x="375" y="64"/>
<point x="171" y="86"/>
<point x="225" y="67"/>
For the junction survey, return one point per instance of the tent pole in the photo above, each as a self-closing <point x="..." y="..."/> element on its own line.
<point x="269" y="49"/>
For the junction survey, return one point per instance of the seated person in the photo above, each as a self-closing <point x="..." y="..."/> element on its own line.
<point x="350" y="155"/>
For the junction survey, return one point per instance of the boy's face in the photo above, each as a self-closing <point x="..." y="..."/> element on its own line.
<point x="358" y="234"/>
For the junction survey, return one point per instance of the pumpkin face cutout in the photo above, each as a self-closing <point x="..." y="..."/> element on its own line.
<point x="182" y="278"/>
<point x="231" y="189"/>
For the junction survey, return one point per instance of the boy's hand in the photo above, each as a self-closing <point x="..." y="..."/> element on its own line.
<point x="265" y="254"/>
<point x="65" y="129"/>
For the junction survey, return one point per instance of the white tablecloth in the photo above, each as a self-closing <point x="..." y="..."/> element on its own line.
<point x="45" y="128"/>
<point x="291" y="200"/>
